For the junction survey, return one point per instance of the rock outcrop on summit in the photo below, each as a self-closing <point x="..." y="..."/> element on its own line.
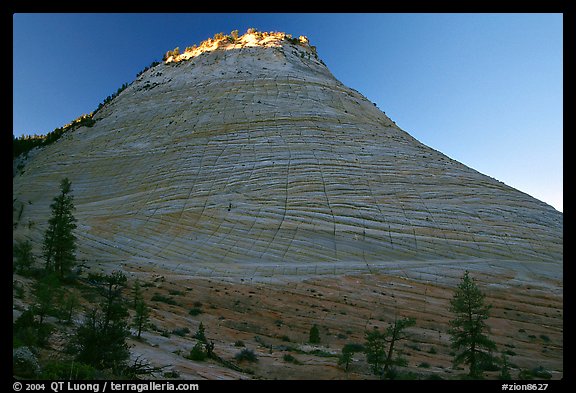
<point x="249" y="155"/>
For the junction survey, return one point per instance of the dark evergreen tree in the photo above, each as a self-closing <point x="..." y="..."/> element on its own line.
<point x="345" y="357"/>
<point x="46" y="291"/>
<point x="136" y="294"/>
<point x="68" y="303"/>
<point x="59" y="240"/>
<point x="473" y="347"/>
<point x="142" y="317"/>
<point x="395" y="333"/>
<point x="24" y="257"/>
<point x="314" y="336"/>
<point x="209" y="347"/>
<point x="505" y="369"/>
<point x="101" y="340"/>
<point x="197" y="352"/>
<point x="200" y="334"/>
<point x="375" y="350"/>
<point x="380" y="347"/>
<point x="26" y="331"/>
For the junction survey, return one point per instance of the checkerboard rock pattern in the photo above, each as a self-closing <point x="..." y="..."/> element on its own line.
<point x="253" y="155"/>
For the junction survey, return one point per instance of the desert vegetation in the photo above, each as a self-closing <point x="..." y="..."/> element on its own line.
<point x="391" y="322"/>
<point x="99" y="314"/>
<point x="96" y="340"/>
<point x="25" y="143"/>
<point x="468" y="329"/>
<point x="221" y="39"/>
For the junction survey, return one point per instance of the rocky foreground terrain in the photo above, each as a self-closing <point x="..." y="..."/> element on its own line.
<point x="244" y="177"/>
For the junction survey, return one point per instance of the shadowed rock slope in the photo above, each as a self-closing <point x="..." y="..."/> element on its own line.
<point x="252" y="154"/>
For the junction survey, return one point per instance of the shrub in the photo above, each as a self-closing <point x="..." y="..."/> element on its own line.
<point x="239" y="343"/>
<point x="505" y="369"/>
<point x="164" y="299"/>
<point x="195" y="311"/>
<point x="289" y="38"/>
<point x="181" y="331"/>
<point x="197" y="353"/>
<point x="25" y="363"/>
<point x="27" y="332"/>
<point x="247" y="355"/>
<point x="545" y="338"/>
<point x="18" y="290"/>
<point x="321" y="353"/>
<point x="290" y="359"/>
<point x="535" y="373"/>
<point x="424" y="365"/>
<point x="24" y="257"/>
<point x="62" y="370"/>
<point x="153" y="64"/>
<point x="353" y="347"/>
<point x="171" y="374"/>
<point x="174" y="52"/>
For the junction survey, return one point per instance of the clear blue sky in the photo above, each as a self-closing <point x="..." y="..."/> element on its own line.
<point x="484" y="89"/>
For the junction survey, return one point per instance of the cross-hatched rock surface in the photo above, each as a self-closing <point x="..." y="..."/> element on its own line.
<point x="254" y="154"/>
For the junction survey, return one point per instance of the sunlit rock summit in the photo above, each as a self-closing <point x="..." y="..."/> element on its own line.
<point x="246" y="155"/>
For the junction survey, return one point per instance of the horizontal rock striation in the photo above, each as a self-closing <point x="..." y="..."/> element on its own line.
<point x="255" y="153"/>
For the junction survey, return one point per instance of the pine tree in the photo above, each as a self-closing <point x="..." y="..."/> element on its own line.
<point x="380" y="347"/>
<point x="46" y="291"/>
<point x="201" y="334"/>
<point x="68" y="303"/>
<point x="473" y="347"/>
<point x="314" y="337"/>
<point x="59" y="240"/>
<point x="101" y="340"/>
<point x="345" y="357"/>
<point x="505" y="369"/>
<point x="137" y="294"/>
<point x="375" y="350"/>
<point x="395" y="333"/>
<point x="142" y="316"/>
<point x="24" y="257"/>
<point x="197" y="352"/>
